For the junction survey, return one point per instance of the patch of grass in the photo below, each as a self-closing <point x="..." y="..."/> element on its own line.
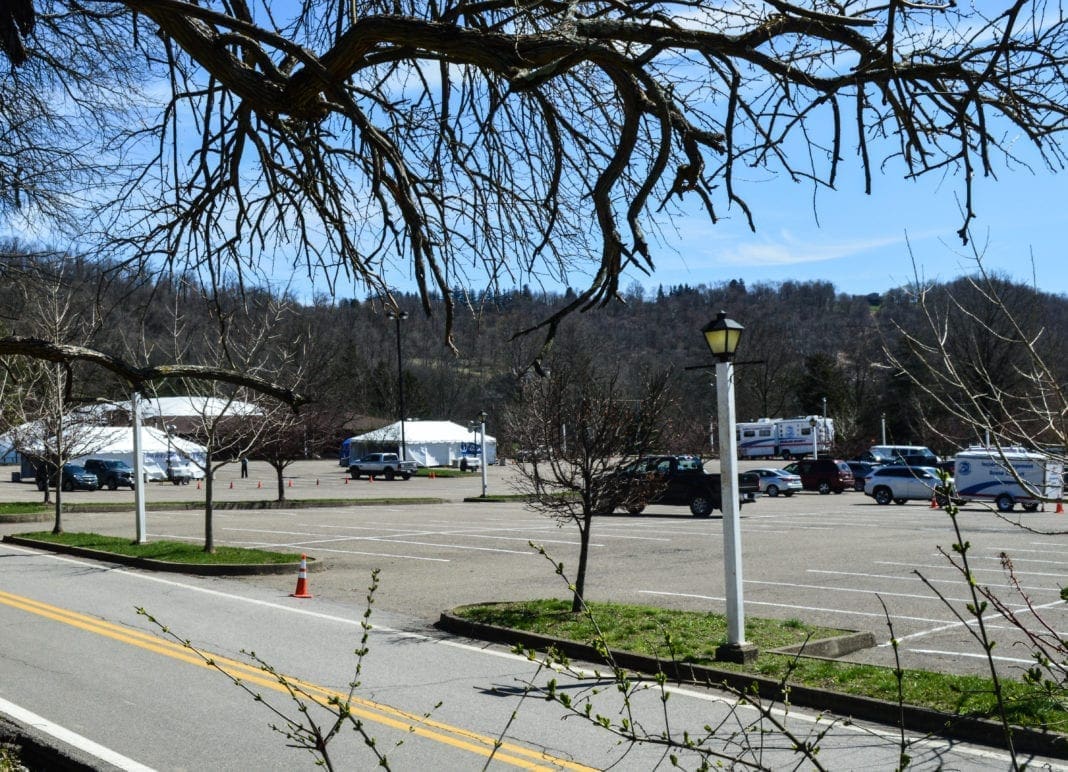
<point x="687" y="636"/>
<point x="24" y="508"/>
<point x="174" y="552"/>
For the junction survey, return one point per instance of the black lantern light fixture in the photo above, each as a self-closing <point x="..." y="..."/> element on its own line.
<point x="722" y="336"/>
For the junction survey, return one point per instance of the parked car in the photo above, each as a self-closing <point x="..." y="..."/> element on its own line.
<point x="73" y="478"/>
<point x="112" y="473"/>
<point x="470" y="463"/>
<point x="861" y="471"/>
<point x="772" y="482"/>
<point x="822" y="474"/>
<point x="672" y="481"/>
<point x="900" y="483"/>
<point x="179" y="471"/>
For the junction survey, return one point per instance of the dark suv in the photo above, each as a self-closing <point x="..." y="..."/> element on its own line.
<point x="822" y="474"/>
<point x="111" y="472"/>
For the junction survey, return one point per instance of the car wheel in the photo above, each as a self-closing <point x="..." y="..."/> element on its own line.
<point x="405" y="475"/>
<point x="772" y="490"/>
<point x="113" y="486"/>
<point x="786" y="455"/>
<point x="882" y="495"/>
<point x="701" y="506"/>
<point x="899" y="502"/>
<point x="389" y="474"/>
<point x="1030" y="507"/>
<point x="68" y="485"/>
<point x="354" y="473"/>
<point x="1004" y="503"/>
<point x="824" y="487"/>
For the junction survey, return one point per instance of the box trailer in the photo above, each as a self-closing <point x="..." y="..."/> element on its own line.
<point x="785" y="437"/>
<point x="1007" y="476"/>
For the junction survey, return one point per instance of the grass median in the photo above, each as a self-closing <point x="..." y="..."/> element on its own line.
<point x="170" y="551"/>
<point x="692" y="637"/>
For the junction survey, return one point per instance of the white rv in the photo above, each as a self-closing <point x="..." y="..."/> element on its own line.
<point x="786" y="437"/>
<point x="1007" y="476"/>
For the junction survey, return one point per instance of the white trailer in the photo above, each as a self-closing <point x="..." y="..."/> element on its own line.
<point x="785" y="437"/>
<point x="1007" y="476"/>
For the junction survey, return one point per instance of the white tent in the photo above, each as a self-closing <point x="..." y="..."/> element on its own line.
<point x="116" y="442"/>
<point x="428" y="443"/>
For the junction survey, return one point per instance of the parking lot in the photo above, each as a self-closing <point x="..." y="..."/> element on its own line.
<point x="824" y="559"/>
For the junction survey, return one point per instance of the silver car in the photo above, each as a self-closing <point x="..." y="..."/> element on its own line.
<point x="776" y="481"/>
<point x="899" y="483"/>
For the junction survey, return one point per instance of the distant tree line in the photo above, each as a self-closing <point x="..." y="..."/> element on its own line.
<point x="804" y="343"/>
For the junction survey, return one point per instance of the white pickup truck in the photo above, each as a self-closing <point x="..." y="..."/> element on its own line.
<point x="386" y="465"/>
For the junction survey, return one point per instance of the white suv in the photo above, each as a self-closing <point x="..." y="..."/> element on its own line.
<point x="899" y="483"/>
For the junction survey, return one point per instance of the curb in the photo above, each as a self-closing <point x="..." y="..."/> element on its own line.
<point x="217" y="569"/>
<point x="973" y="730"/>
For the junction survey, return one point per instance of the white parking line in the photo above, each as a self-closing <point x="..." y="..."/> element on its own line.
<point x="955" y="654"/>
<point x="789" y="606"/>
<point x="974" y="570"/>
<point x="71" y="738"/>
<point x="857" y="590"/>
<point x="912" y="578"/>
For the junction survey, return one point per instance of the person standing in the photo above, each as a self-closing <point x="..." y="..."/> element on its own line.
<point x="244" y="466"/>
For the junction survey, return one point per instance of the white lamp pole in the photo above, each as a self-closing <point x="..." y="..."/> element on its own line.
<point x="139" y="469"/>
<point x="722" y="335"/>
<point x="482" y="448"/>
<point x="814" y="424"/>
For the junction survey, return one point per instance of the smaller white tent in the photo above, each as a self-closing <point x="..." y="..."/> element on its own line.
<point x="428" y="443"/>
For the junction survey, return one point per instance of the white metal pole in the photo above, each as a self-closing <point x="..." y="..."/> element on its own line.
<point x="482" y="451"/>
<point x="815" y="438"/>
<point x="884" y="428"/>
<point x="139" y="469"/>
<point x="730" y="505"/>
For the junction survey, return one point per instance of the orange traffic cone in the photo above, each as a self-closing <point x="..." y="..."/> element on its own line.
<point x="934" y="503"/>
<point x="1060" y="508"/>
<point x="198" y="485"/>
<point x="259" y="483"/>
<point x="231" y="485"/>
<point x="432" y="475"/>
<point x="370" y="478"/>
<point x="346" y="481"/>
<point x="290" y="483"/>
<point x="302" y="580"/>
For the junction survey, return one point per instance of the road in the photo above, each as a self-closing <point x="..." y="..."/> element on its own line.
<point x="76" y="653"/>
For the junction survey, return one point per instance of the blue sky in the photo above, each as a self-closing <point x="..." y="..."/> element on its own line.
<point x="862" y="243"/>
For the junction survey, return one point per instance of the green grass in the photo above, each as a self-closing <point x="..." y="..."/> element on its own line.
<point x="24" y="508"/>
<point x="693" y="637"/>
<point x="174" y="552"/>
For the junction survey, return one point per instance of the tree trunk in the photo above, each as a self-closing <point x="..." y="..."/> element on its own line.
<point x="280" y="470"/>
<point x="580" y="576"/>
<point x="209" y="484"/>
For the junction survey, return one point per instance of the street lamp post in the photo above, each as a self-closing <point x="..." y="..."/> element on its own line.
<point x="722" y="336"/>
<point x="814" y="423"/>
<point x="482" y="448"/>
<point x="398" y="316"/>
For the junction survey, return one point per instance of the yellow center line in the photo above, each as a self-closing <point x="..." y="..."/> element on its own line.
<point x="385" y="715"/>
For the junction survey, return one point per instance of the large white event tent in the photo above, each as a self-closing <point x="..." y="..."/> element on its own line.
<point x="428" y="443"/>
<point x="116" y="442"/>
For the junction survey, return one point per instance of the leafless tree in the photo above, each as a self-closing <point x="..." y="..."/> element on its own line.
<point x="578" y="425"/>
<point x="443" y="141"/>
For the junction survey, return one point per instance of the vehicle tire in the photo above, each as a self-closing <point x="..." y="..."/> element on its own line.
<point x="113" y="485"/>
<point x="882" y="495"/>
<point x="786" y="455"/>
<point x="772" y="490"/>
<point x="389" y="473"/>
<point x="68" y="485"/>
<point x="824" y="488"/>
<point x="900" y="502"/>
<point x="354" y="472"/>
<point x="1004" y="503"/>
<point x="1030" y="506"/>
<point x="701" y="505"/>
<point x="463" y="464"/>
<point x="405" y="475"/>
